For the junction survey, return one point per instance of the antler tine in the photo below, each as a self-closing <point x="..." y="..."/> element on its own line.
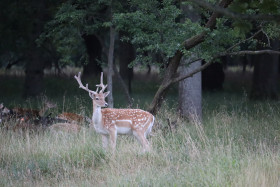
<point x="101" y="78"/>
<point x="78" y="78"/>
<point x="101" y="85"/>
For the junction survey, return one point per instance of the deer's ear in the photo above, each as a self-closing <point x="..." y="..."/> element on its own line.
<point x="106" y="94"/>
<point x="92" y="95"/>
<point x="1" y="105"/>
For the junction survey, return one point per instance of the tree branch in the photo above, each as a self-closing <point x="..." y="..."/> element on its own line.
<point x="175" y="60"/>
<point x="247" y="52"/>
<point x="237" y="44"/>
<point x="10" y="64"/>
<point x="197" y="39"/>
<point x="125" y="89"/>
<point x="190" y="74"/>
<point x="204" y="66"/>
<point x="234" y="15"/>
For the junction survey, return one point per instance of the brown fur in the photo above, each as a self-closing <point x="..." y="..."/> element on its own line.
<point x="71" y="117"/>
<point x="66" y="127"/>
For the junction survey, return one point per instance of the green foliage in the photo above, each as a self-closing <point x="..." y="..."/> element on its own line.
<point x="21" y="24"/>
<point x="156" y="28"/>
<point x="272" y="30"/>
<point x="222" y="38"/>
<point x="73" y="20"/>
<point x="253" y="8"/>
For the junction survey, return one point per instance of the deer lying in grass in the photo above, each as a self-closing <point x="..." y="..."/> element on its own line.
<point x="65" y="127"/>
<point x="27" y="118"/>
<point x="109" y="122"/>
<point x="71" y="117"/>
<point x="69" y="122"/>
<point x="32" y="113"/>
<point x="4" y="112"/>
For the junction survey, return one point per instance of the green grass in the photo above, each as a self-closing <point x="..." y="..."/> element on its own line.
<point x="237" y="144"/>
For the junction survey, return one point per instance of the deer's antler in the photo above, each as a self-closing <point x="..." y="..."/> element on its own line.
<point x="101" y="85"/>
<point x="78" y="78"/>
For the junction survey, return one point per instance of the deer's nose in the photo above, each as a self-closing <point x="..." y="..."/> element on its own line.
<point x="106" y="104"/>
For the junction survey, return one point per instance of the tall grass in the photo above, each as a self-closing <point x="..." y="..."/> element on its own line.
<point x="237" y="144"/>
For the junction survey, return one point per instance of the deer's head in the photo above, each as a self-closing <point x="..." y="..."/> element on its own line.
<point x="3" y="109"/>
<point x="3" y="112"/>
<point x="98" y="97"/>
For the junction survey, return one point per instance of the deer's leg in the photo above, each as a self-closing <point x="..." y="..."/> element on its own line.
<point x="142" y="140"/>
<point x="113" y="138"/>
<point x="105" y="140"/>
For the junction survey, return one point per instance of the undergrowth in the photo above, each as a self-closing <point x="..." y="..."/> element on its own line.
<point x="237" y="144"/>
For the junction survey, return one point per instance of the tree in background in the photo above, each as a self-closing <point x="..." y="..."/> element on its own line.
<point x="21" y="24"/>
<point x="190" y="90"/>
<point x="94" y="52"/>
<point x="155" y="28"/>
<point x="77" y="19"/>
<point x="77" y="33"/>
<point x="265" y="76"/>
<point x="126" y="55"/>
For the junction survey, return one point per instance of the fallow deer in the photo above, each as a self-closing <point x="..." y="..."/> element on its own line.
<point x="4" y="112"/>
<point x="71" y="117"/>
<point x="109" y="122"/>
<point x="65" y="127"/>
<point x="68" y="122"/>
<point x="27" y="118"/>
<point x="32" y="113"/>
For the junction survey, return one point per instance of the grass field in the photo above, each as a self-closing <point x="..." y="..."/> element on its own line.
<point x="237" y="144"/>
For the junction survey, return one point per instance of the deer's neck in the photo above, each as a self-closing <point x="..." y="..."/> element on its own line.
<point x="97" y="119"/>
<point x="42" y="111"/>
<point x="96" y="115"/>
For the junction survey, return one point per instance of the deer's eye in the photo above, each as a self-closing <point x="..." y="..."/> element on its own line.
<point x="96" y="98"/>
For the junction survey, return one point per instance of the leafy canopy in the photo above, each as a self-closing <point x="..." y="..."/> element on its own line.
<point x="156" y="28"/>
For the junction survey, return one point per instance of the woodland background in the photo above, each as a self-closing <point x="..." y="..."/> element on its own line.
<point x="208" y="70"/>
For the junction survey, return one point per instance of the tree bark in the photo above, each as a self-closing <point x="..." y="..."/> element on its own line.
<point x="190" y="94"/>
<point x="110" y="67"/>
<point x="94" y="51"/>
<point x="166" y="82"/>
<point x="35" y="58"/>
<point x="123" y="85"/>
<point x="175" y="60"/>
<point x="34" y="73"/>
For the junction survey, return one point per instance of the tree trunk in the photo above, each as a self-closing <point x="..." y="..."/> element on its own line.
<point x="110" y="67"/>
<point x="124" y="87"/>
<point x="213" y="77"/>
<point x="190" y="93"/>
<point x="265" y="77"/>
<point x="190" y="89"/>
<point x="166" y="82"/>
<point x="35" y="58"/>
<point x="34" y="73"/>
<point x="126" y="56"/>
<point x="94" y="51"/>
<point x="175" y="60"/>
